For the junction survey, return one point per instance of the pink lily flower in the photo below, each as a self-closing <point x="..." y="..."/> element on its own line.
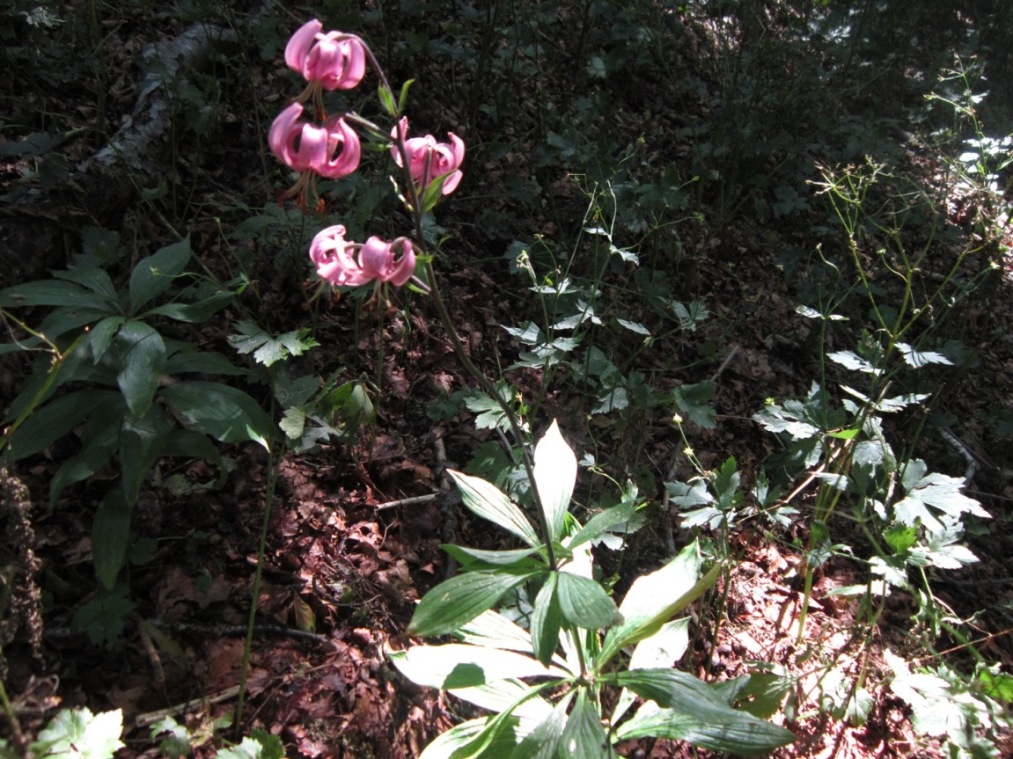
<point x="428" y="159"/>
<point x="336" y="259"/>
<point x="331" y="150"/>
<point x="336" y="60"/>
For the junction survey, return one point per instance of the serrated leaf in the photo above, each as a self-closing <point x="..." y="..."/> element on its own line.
<point x="454" y="602"/>
<point x="555" y="476"/>
<point x="693" y="400"/>
<point x="916" y="359"/>
<point x="259" y="745"/>
<point x="74" y="733"/>
<point x="487" y="501"/>
<point x="155" y="274"/>
<point x="851" y="360"/>
<point x="636" y="327"/>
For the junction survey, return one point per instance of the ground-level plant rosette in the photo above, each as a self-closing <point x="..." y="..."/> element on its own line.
<point x="584" y="675"/>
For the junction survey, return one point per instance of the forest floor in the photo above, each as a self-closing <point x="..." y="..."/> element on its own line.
<point x="348" y="550"/>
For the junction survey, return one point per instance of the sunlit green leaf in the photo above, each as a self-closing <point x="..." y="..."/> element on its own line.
<point x="460" y="599"/>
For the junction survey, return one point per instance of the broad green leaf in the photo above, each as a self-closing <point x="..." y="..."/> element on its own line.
<point x="555" y="476"/>
<point x="153" y="275"/>
<point x="141" y="365"/>
<point x="760" y="693"/>
<point x="225" y="413"/>
<point x="79" y="734"/>
<point x="195" y="313"/>
<point x="472" y="556"/>
<point x="110" y="537"/>
<point x="583" y="736"/>
<point x="141" y="444"/>
<point x="654" y="598"/>
<point x="512" y="694"/>
<point x="546" y="620"/>
<point x="191" y="444"/>
<point x="451" y="604"/>
<point x="458" y="665"/>
<point x="487" y="501"/>
<point x="54" y="292"/>
<point x="727" y="731"/>
<point x="664" y="648"/>
<point x="585" y="603"/>
<point x="48" y="424"/>
<point x="100" y="438"/>
<point x="543" y="741"/>
<point x="202" y="362"/>
<point x="100" y="337"/>
<point x="493" y="630"/>
<point x="93" y="278"/>
<point x="453" y="743"/>
<point x="605" y="521"/>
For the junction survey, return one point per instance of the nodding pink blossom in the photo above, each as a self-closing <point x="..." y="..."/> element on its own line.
<point x="429" y="159"/>
<point x="344" y="263"/>
<point x="331" y="149"/>
<point x="336" y="60"/>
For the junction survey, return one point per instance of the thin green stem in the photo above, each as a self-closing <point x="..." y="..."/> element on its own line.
<point x="272" y="480"/>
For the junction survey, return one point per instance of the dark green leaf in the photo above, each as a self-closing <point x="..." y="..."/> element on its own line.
<point x="605" y="521"/>
<point x="101" y="336"/>
<point x="141" y="365"/>
<point x="585" y="603"/>
<point x="486" y="500"/>
<point x="460" y="599"/>
<point x="100" y="438"/>
<point x="201" y="362"/>
<point x="153" y="275"/>
<point x="110" y="537"/>
<point x="474" y="557"/>
<point x="195" y="313"/>
<point x="698" y="715"/>
<point x="225" y="413"/>
<point x="46" y="425"/>
<point x="53" y="292"/>
<point x="583" y="736"/>
<point x="546" y="620"/>
<point x="141" y="444"/>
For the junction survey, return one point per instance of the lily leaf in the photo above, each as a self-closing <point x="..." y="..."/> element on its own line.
<point x="555" y="475"/>
<point x="487" y="501"/>
<point x="451" y="604"/>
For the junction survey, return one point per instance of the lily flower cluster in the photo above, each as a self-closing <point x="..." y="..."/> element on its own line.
<point x="318" y="144"/>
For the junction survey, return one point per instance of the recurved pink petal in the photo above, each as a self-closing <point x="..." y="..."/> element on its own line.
<point x="282" y="133"/>
<point x="343" y="150"/>
<point x="300" y="43"/>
